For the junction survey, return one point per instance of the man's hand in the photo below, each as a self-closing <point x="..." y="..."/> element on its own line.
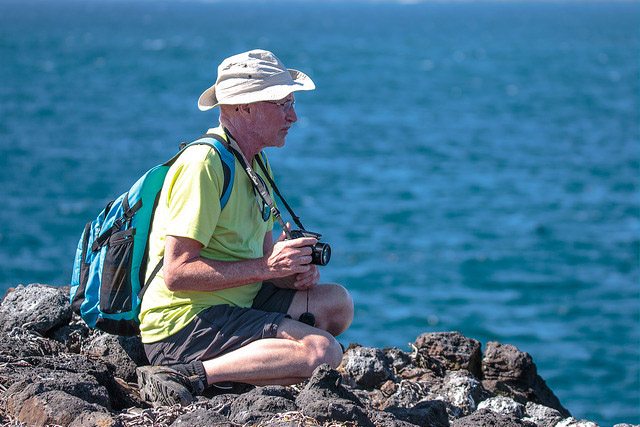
<point x="308" y="277"/>
<point x="290" y="257"/>
<point x="307" y="280"/>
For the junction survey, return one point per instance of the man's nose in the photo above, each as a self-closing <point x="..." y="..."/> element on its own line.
<point x="291" y="115"/>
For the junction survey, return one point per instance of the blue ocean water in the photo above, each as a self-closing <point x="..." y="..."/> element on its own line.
<point x="475" y="166"/>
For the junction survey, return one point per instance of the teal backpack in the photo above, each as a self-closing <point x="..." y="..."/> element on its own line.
<point x="111" y="259"/>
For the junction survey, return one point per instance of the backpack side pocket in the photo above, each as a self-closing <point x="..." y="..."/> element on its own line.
<point x="115" y="292"/>
<point x="83" y="269"/>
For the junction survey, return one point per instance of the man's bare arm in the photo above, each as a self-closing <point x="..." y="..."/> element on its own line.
<point x="185" y="269"/>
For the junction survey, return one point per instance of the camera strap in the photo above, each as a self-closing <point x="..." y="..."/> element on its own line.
<point x="296" y="218"/>
<point x="306" y="317"/>
<point x="260" y="187"/>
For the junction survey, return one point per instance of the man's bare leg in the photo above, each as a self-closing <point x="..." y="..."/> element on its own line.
<point x="287" y="359"/>
<point x="331" y="304"/>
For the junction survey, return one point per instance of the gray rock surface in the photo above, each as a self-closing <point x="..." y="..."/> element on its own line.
<point x="54" y="408"/>
<point x="54" y="370"/>
<point x="452" y="350"/>
<point x="406" y="393"/>
<point x="124" y="353"/>
<point x="487" y="418"/>
<point x="397" y="358"/>
<point x="541" y="415"/>
<point x="202" y="418"/>
<point x="572" y="422"/>
<point x="503" y="405"/>
<point x="461" y="390"/>
<point x="431" y="413"/>
<point x="324" y="398"/>
<point x="386" y="419"/>
<point x="222" y="403"/>
<point x="510" y="372"/>
<point x="22" y="343"/>
<point x="72" y="336"/>
<point x="261" y="403"/>
<point x="82" y="386"/>
<point x="96" y="419"/>
<point x="36" y="307"/>
<point x="369" y="367"/>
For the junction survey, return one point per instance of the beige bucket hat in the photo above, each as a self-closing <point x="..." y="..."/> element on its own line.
<point x="256" y="75"/>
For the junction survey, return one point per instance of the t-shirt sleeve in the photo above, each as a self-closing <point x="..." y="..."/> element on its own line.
<point x="193" y="199"/>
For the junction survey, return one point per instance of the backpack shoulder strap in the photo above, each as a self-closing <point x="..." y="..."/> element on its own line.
<point x="228" y="168"/>
<point x="226" y="157"/>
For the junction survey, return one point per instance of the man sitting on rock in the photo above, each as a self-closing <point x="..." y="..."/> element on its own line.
<point x="223" y="307"/>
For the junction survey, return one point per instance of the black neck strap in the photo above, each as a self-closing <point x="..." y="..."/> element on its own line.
<point x="265" y="197"/>
<point x="296" y="218"/>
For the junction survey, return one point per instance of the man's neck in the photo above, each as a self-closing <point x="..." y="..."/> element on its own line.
<point x="249" y="145"/>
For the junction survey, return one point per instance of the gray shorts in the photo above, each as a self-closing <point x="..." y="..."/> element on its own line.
<point x="224" y="328"/>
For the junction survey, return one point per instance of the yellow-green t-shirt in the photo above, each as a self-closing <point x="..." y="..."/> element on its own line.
<point x="189" y="206"/>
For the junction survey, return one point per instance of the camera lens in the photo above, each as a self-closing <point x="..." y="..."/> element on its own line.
<point x="321" y="254"/>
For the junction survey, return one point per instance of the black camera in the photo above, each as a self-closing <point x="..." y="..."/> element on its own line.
<point x="320" y="252"/>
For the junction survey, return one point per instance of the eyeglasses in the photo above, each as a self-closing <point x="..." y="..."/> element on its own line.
<point x="285" y="105"/>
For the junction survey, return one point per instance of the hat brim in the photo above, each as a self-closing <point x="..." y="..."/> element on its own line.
<point x="301" y="81"/>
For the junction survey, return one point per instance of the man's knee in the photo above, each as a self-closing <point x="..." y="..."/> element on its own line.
<point x="339" y="310"/>
<point x="322" y="348"/>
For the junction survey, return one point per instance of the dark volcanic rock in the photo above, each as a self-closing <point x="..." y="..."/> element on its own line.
<point x="452" y="350"/>
<point x="221" y="403"/>
<point x="66" y="365"/>
<point x="35" y="307"/>
<point x="261" y="403"/>
<point x="274" y="390"/>
<point x="486" y="418"/>
<point x="326" y="383"/>
<point x="54" y="408"/>
<point x="511" y="372"/>
<point x="572" y="422"/>
<point x="336" y="410"/>
<point x="202" y="418"/>
<point x="97" y="419"/>
<point x="369" y="367"/>
<point x="406" y="394"/>
<point x="397" y="358"/>
<point x="431" y="413"/>
<point x="73" y="335"/>
<point x="387" y="419"/>
<point x="82" y="386"/>
<point x="56" y="371"/>
<point x="324" y="398"/>
<point x="124" y="353"/>
<point x="102" y="370"/>
<point x="462" y="391"/>
<point x="20" y="343"/>
<point x="503" y="405"/>
<point x="541" y="415"/>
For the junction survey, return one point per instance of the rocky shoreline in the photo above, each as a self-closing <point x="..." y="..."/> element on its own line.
<point x="55" y="371"/>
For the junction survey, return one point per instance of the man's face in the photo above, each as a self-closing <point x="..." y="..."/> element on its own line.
<point x="273" y="120"/>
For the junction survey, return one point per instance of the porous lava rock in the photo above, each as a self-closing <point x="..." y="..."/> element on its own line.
<point x="368" y="367"/>
<point x="452" y="350"/>
<point x="510" y="372"/>
<point x="487" y="418"/>
<point x="54" y="370"/>
<point x="39" y="308"/>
